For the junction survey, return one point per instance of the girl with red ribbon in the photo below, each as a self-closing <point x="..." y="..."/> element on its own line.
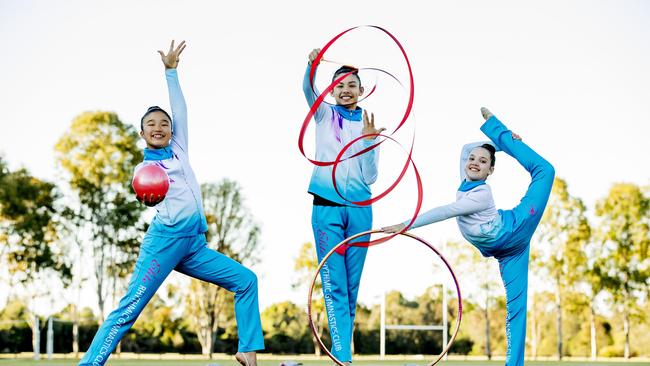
<point x="334" y="216"/>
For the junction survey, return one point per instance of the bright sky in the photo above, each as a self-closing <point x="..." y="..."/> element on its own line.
<point x="571" y="77"/>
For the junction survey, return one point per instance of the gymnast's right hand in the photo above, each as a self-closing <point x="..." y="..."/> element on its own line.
<point x="393" y="229"/>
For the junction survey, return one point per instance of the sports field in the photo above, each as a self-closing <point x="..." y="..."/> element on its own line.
<point x="231" y="362"/>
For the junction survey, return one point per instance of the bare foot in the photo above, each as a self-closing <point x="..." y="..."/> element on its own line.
<point x="246" y="358"/>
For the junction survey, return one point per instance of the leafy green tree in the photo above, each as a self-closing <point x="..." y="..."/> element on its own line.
<point x="593" y="279"/>
<point x="31" y="249"/>
<point x="157" y="329"/>
<point x="474" y="267"/>
<point x="16" y="327"/>
<point x="285" y="328"/>
<point x="625" y="235"/>
<point x="27" y="226"/>
<point x="233" y="232"/>
<point x="560" y="254"/>
<point x="538" y="310"/>
<point x="98" y="155"/>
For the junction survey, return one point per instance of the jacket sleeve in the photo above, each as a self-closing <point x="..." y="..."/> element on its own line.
<point x="369" y="162"/>
<point x="179" y="110"/>
<point x="311" y="95"/>
<point x="467" y="205"/>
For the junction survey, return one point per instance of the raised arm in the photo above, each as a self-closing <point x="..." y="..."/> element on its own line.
<point x="176" y="99"/>
<point x="312" y="94"/>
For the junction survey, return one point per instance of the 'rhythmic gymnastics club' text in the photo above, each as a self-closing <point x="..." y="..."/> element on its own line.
<point x="154" y="268"/>
<point x="329" y="305"/>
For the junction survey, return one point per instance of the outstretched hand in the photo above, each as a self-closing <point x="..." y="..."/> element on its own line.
<point x="393" y="229"/>
<point x="369" y="126"/>
<point x="171" y="59"/>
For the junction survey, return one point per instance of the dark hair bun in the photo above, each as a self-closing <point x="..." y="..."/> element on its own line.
<point x="489" y="148"/>
<point x="492" y="151"/>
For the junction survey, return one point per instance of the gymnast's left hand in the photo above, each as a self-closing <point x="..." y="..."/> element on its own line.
<point x="172" y="58"/>
<point x="393" y="229"/>
<point x="369" y="126"/>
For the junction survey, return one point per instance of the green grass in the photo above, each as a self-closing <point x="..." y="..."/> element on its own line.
<point x="231" y="362"/>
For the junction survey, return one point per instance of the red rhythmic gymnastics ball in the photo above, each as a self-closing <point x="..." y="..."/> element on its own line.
<point x="150" y="181"/>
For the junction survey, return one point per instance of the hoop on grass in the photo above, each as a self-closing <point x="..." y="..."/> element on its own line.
<point x="344" y="242"/>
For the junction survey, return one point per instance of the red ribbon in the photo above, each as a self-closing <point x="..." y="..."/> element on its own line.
<point x="321" y="99"/>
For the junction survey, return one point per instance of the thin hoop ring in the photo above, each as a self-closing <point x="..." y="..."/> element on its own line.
<point x="344" y="242"/>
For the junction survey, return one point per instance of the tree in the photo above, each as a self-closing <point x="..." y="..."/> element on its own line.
<point x="305" y="266"/>
<point x="157" y="330"/>
<point x="593" y="278"/>
<point x="473" y="266"/>
<point x="625" y="235"/>
<point x="99" y="154"/>
<point x="27" y="225"/>
<point x="540" y="307"/>
<point x="563" y="234"/>
<point x="30" y="243"/>
<point x="233" y="232"/>
<point x="285" y="327"/>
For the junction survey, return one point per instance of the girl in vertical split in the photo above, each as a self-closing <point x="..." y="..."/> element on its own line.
<point x="503" y="234"/>
<point x="175" y="239"/>
<point x="334" y="217"/>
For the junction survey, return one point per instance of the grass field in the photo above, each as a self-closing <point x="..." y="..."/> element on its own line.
<point x="231" y="362"/>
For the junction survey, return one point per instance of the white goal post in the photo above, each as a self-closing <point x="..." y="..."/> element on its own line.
<point x="383" y="327"/>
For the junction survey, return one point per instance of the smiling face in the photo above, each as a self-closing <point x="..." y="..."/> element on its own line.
<point x="479" y="164"/>
<point x="156" y="130"/>
<point x="347" y="92"/>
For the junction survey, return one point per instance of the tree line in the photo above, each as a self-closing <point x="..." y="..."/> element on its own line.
<point x="594" y="265"/>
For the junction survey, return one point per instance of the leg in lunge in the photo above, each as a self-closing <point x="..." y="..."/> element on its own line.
<point x="211" y="266"/>
<point x="158" y="257"/>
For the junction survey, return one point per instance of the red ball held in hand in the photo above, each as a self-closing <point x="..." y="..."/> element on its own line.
<point x="150" y="181"/>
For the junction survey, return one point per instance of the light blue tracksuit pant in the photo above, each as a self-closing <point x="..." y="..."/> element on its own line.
<point x="512" y="246"/>
<point x="341" y="274"/>
<point x="191" y="256"/>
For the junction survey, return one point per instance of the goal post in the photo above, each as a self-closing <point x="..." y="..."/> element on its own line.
<point x="432" y="327"/>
